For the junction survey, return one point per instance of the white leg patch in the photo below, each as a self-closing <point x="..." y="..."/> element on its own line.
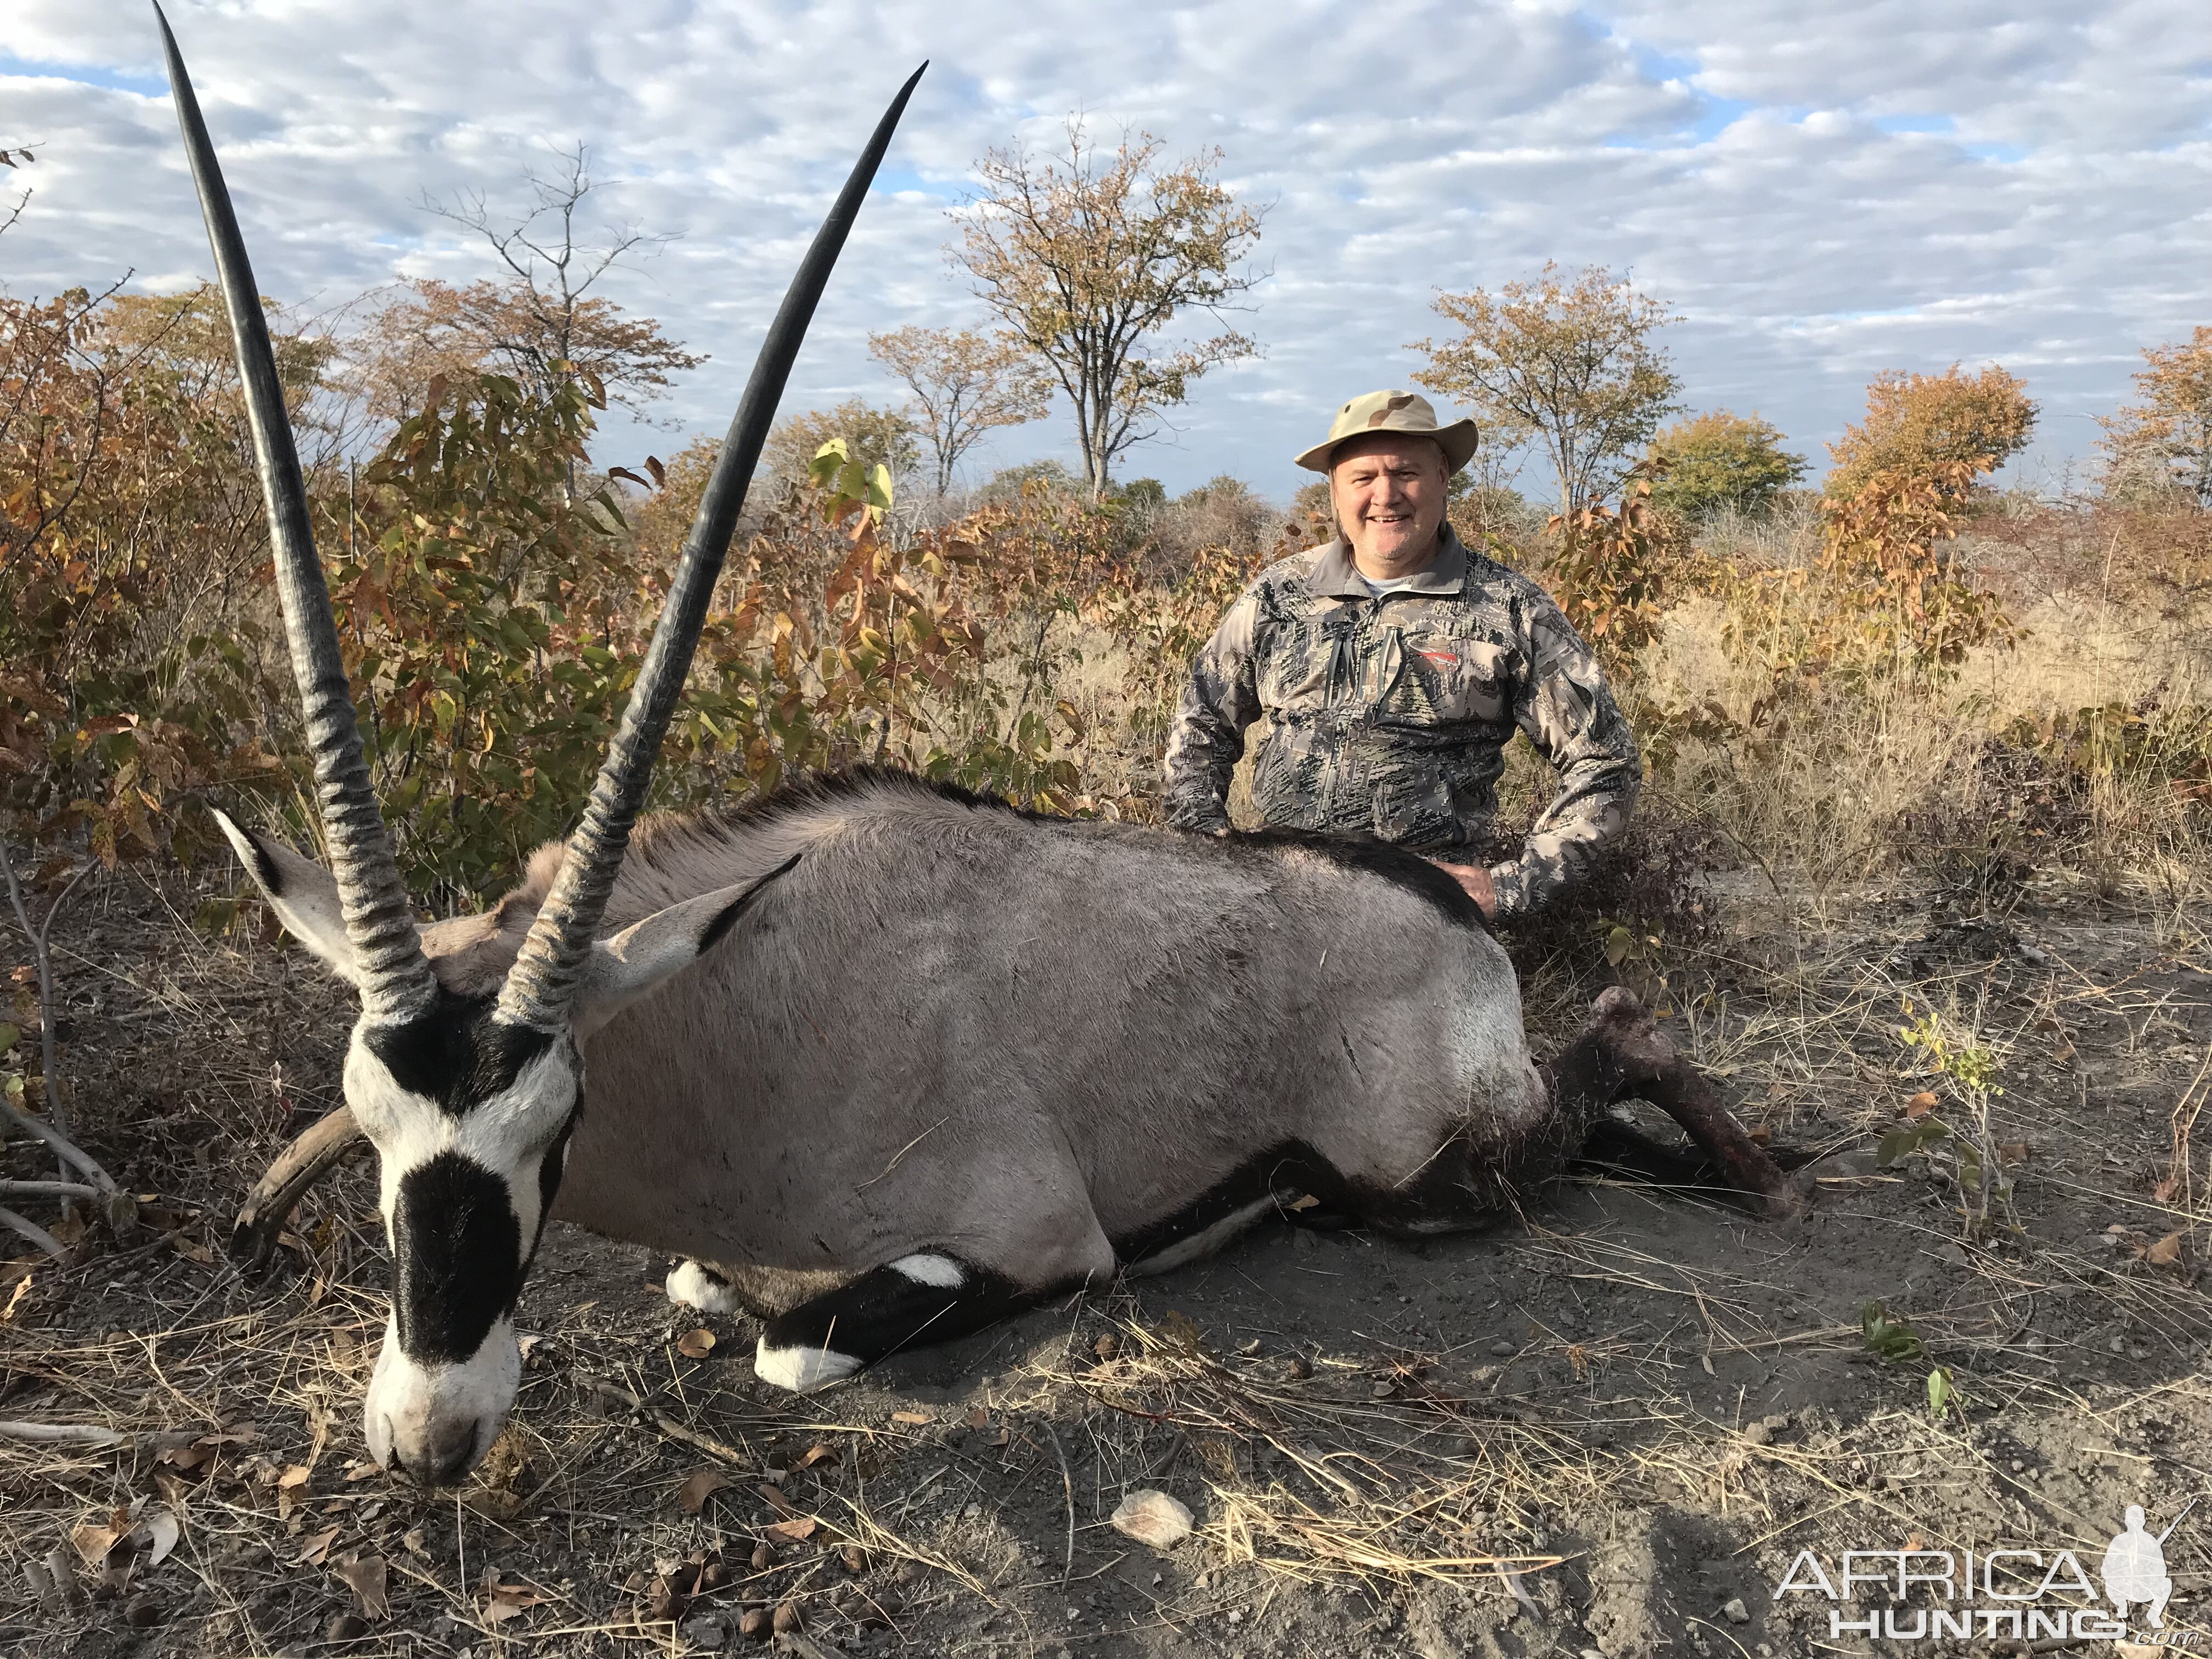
<point x="1204" y="1241"/>
<point x="692" y="1286"/>
<point x="941" y="1271"/>
<point x="802" y="1369"/>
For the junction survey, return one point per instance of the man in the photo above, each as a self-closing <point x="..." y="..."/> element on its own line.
<point x="1393" y="666"/>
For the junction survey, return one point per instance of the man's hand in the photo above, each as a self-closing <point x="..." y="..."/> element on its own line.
<point x="1477" y="881"/>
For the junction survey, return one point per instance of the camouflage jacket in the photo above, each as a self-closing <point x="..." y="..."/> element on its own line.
<point x="1389" y="716"/>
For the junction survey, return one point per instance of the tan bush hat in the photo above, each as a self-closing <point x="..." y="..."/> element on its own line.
<point x="1393" y="411"/>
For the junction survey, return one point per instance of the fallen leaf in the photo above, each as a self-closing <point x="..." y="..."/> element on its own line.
<point x="364" y="1576"/>
<point x="2166" y="1192"/>
<point x="297" y="1475"/>
<point x="1303" y="1201"/>
<point x="313" y="1551"/>
<point x="411" y="1542"/>
<point x="501" y="1602"/>
<point x="493" y="1505"/>
<point x="1183" y="1329"/>
<point x="2013" y="1152"/>
<point x="1761" y="1135"/>
<point x="1154" y="1518"/>
<point x="978" y="1418"/>
<point x="820" y="1452"/>
<point x="92" y="1541"/>
<point x="2166" y="1252"/>
<point x="161" y="1531"/>
<point x="777" y="1501"/>
<point x="15" y="1298"/>
<point x="691" y="1496"/>
<point x="910" y="1417"/>
<point x="797" y="1530"/>
<point x="696" y="1345"/>
<point x="192" y="1252"/>
<point x="1921" y="1104"/>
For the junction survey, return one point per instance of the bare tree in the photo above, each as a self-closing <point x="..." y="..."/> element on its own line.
<point x="19" y="156"/>
<point x="1087" y="261"/>
<point x="543" y="323"/>
<point x="964" y="385"/>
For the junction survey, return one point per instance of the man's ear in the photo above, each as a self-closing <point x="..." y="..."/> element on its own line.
<point x="303" y="894"/>
<point x="639" y="958"/>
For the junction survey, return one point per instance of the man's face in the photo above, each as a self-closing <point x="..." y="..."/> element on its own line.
<point x="1389" y="492"/>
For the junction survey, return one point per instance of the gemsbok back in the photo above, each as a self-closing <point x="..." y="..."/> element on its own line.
<point x="882" y="1061"/>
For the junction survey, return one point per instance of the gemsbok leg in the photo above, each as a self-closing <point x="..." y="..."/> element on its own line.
<point x="1621" y="1054"/>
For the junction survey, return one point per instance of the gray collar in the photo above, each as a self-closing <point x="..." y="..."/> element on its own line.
<point x="1335" y="577"/>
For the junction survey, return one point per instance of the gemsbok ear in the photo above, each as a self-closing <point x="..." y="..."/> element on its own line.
<point x="636" y="961"/>
<point x="304" y="895"/>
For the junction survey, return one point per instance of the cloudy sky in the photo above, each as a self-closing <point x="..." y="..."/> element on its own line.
<point x="1820" y="191"/>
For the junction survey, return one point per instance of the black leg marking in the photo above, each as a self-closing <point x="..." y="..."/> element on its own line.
<point x="919" y="1300"/>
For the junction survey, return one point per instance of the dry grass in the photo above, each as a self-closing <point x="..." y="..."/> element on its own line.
<point x="1859" y="785"/>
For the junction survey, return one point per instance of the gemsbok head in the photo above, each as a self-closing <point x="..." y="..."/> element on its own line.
<point x="470" y="1100"/>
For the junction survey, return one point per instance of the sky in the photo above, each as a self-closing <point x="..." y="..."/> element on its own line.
<point x="1818" y="193"/>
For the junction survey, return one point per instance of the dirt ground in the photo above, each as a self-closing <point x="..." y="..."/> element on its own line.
<point x="1609" y="1430"/>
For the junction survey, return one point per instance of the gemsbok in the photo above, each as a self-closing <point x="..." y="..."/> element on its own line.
<point x="881" y="1062"/>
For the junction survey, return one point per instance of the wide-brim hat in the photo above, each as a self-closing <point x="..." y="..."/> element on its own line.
<point x="1393" y="411"/>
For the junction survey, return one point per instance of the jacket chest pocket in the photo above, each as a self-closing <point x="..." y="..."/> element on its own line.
<point x="1308" y="665"/>
<point x="1451" y="677"/>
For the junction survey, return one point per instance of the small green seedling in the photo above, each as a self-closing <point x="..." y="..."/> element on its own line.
<point x="1890" y="1340"/>
<point x="1966" y="1154"/>
<point x="1942" y="1395"/>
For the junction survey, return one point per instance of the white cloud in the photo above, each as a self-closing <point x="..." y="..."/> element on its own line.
<point x="1822" y="193"/>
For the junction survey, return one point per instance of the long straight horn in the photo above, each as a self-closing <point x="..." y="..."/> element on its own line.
<point x="395" y="979"/>
<point x="544" y="975"/>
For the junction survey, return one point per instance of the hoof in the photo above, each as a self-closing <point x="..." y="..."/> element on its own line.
<point x="1794" y="1199"/>
<point x="1624" y="1025"/>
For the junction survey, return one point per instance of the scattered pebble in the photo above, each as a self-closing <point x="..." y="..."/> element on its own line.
<point x="1735" y="1611"/>
<point x="1503" y="1349"/>
<point x="144" y="1612"/>
<point x="1154" y="1518"/>
<point x="786" y="1617"/>
<point x="754" y="1624"/>
<point x="343" y="1627"/>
